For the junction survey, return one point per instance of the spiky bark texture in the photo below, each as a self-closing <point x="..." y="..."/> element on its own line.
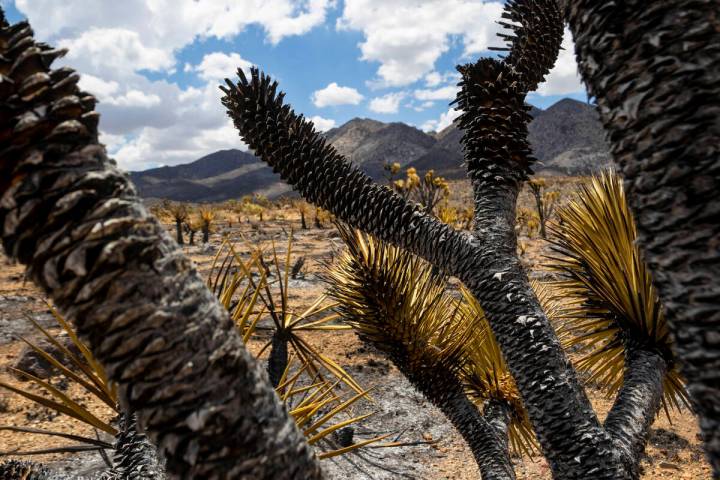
<point x="654" y="68"/>
<point x="637" y="404"/>
<point x="497" y="153"/>
<point x="77" y="223"/>
<point x="135" y="457"/>
<point x="278" y="359"/>
<point x="21" y="470"/>
<point x="497" y="414"/>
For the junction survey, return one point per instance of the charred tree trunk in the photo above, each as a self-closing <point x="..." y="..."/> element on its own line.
<point x="178" y="231"/>
<point x="76" y="221"/>
<point x="278" y="358"/>
<point x="636" y="406"/>
<point x="487" y="443"/>
<point x="302" y="221"/>
<point x="497" y="414"/>
<point x="654" y="68"/>
<point x="135" y="457"/>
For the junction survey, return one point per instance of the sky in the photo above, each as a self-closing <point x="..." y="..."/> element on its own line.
<point x="155" y="65"/>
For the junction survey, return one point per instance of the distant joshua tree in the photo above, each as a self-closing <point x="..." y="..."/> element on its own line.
<point x="179" y="212"/>
<point x="176" y="357"/>
<point x="545" y="202"/>
<point x="207" y="217"/>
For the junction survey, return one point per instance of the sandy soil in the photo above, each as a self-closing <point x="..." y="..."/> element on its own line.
<point x="674" y="449"/>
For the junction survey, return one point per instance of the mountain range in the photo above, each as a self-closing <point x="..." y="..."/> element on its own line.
<point x="567" y="139"/>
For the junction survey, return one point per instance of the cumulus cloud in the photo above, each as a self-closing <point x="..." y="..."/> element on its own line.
<point x="217" y="66"/>
<point x="98" y="87"/>
<point x="433" y="79"/>
<point x="564" y="77"/>
<point x="444" y="121"/>
<point x="334" y="94"/>
<point x="322" y="124"/>
<point x="116" y="49"/>
<point x="147" y="122"/>
<point x="135" y="98"/>
<point x="172" y="24"/>
<point x="407" y="37"/>
<point x="444" y="93"/>
<point x="389" y="103"/>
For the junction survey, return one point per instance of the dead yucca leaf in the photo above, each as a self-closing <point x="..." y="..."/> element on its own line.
<point x="396" y="301"/>
<point x="488" y="379"/>
<point x="320" y="411"/>
<point x="82" y="370"/>
<point x="608" y="295"/>
<point x="243" y="286"/>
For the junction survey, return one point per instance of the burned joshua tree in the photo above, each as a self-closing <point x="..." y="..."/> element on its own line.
<point x="179" y="363"/>
<point x="494" y="120"/>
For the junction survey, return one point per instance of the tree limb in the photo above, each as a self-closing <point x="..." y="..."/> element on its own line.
<point x="75" y="220"/>
<point x="636" y="405"/>
<point x="654" y="68"/>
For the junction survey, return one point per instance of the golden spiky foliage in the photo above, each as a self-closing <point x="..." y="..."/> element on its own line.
<point x="487" y="377"/>
<point x="448" y="214"/>
<point x="207" y="214"/>
<point x="309" y="385"/>
<point x="395" y="301"/>
<point x="232" y="279"/>
<point x="607" y="288"/>
<point x="79" y="367"/>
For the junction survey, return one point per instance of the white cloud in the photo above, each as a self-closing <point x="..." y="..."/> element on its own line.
<point x="444" y="93"/>
<point x="334" y="94"/>
<point x="444" y="121"/>
<point x="217" y="66"/>
<point x="389" y="103"/>
<point x="564" y="77"/>
<point x="150" y="122"/>
<point x="322" y="124"/>
<point x="135" y="98"/>
<point x="116" y="49"/>
<point x="175" y="23"/>
<point x="433" y="79"/>
<point x="98" y="87"/>
<point x="422" y="107"/>
<point x="407" y="36"/>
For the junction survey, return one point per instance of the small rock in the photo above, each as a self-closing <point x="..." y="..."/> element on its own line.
<point x="670" y="466"/>
<point x="207" y="249"/>
<point x="35" y="364"/>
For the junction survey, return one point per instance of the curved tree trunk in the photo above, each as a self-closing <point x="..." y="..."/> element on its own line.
<point x="70" y="215"/>
<point x="488" y="444"/>
<point x="637" y="404"/>
<point x="178" y="232"/>
<point x="654" y="68"/>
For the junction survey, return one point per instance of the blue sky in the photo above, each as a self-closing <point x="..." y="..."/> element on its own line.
<point x="155" y="64"/>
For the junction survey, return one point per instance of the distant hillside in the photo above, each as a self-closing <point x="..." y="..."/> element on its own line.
<point x="215" y="177"/>
<point x="370" y="144"/>
<point x="567" y="138"/>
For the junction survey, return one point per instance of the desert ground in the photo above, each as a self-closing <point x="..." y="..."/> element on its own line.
<point x="432" y="450"/>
